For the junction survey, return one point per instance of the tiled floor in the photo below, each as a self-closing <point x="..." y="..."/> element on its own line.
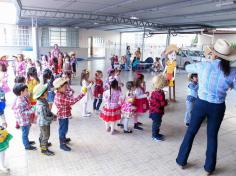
<point x="96" y="153"/>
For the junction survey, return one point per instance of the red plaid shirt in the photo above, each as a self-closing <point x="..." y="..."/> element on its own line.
<point x="157" y="102"/>
<point x="63" y="103"/>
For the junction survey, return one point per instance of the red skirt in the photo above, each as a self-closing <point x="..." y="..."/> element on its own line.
<point x="142" y="105"/>
<point x="110" y="115"/>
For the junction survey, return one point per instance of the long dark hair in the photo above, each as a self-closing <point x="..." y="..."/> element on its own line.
<point x="225" y="67"/>
<point x="114" y="85"/>
<point x="32" y="72"/>
<point x="47" y="75"/>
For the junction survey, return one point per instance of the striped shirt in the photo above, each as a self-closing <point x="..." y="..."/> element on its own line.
<point x="213" y="84"/>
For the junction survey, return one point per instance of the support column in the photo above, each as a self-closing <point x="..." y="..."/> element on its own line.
<point x="120" y="45"/>
<point x="143" y="43"/>
<point x="35" y="40"/>
<point x="168" y="38"/>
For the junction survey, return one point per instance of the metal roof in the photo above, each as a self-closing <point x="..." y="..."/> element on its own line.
<point x="129" y="15"/>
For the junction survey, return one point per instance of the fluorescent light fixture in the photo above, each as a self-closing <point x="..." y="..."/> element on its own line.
<point x="133" y="18"/>
<point x="225" y="3"/>
<point x="8" y="13"/>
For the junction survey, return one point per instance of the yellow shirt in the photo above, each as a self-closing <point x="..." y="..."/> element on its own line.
<point x="170" y="66"/>
<point x="31" y="84"/>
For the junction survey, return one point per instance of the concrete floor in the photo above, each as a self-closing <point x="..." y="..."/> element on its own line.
<point x="97" y="153"/>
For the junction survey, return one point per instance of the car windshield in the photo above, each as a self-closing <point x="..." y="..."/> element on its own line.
<point x="193" y="53"/>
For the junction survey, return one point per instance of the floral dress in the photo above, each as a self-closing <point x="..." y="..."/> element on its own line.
<point x="128" y="108"/>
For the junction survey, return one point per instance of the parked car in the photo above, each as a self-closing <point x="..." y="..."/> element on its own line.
<point x="186" y="56"/>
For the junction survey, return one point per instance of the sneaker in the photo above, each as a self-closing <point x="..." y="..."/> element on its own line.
<point x="137" y="127"/>
<point x="158" y="138"/>
<point x="139" y="123"/>
<point x="4" y="169"/>
<point x="86" y="115"/>
<point x="68" y="140"/>
<point x="128" y="131"/>
<point x="31" y="142"/>
<point x="120" y="125"/>
<point x="31" y="148"/>
<point x="65" y="147"/>
<point x="47" y="152"/>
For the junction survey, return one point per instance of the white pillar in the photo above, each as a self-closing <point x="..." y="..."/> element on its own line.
<point x="168" y="38"/>
<point x="143" y="43"/>
<point x="120" y="44"/>
<point x="35" y="41"/>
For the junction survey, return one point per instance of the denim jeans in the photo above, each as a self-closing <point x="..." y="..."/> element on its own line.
<point x="156" y="123"/>
<point x="97" y="103"/>
<point x="215" y="115"/>
<point x="189" y="108"/>
<point x="127" y="63"/>
<point x="25" y="134"/>
<point x="63" y="129"/>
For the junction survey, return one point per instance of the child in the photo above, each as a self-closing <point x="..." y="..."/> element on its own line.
<point x="157" y="105"/>
<point x="30" y="64"/>
<point x="21" y="66"/>
<point x="141" y="101"/>
<point x="23" y="112"/>
<point x="44" y="116"/>
<point x="38" y="67"/>
<point x="111" y="111"/>
<point x="48" y="79"/>
<point x="73" y="62"/>
<point x="63" y="104"/>
<point x="60" y="62"/>
<point x="67" y="69"/>
<point x="5" y="137"/>
<point x="128" y="108"/>
<point x="32" y="81"/>
<point x="98" y="90"/>
<point x="85" y="82"/>
<point x="45" y="63"/>
<point x="18" y="79"/>
<point x="111" y="77"/>
<point x="156" y="67"/>
<point x="3" y="78"/>
<point x="191" y="98"/>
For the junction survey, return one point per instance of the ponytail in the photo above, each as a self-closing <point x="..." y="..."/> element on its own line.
<point x="225" y="67"/>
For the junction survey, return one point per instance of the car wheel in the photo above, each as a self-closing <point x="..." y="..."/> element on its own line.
<point x="185" y="64"/>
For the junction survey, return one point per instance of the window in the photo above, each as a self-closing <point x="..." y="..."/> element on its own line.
<point x="11" y="35"/>
<point x="65" y="37"/>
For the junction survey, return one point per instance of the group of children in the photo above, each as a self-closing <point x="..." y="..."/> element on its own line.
<point x="51" y="98"/>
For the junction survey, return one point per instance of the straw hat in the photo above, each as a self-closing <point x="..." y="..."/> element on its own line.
<point x="171" y="48"/>
<point x="39" y="90"/>
<point x="159" y="81"/>
<point x="57" y="83"/>
<point x="223" y="49"/>
<point x="2" y="56"/>
<point x="72" y="53"/>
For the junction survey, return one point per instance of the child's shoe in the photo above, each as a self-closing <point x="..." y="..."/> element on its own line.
<point x="137" y="127"/>
<point x="31" y="148"/>
<point x="4" y="169"/>
<point x="139" y="123"/>
<point x="47" y="152"/>
<point x="49" y="144"/>
<point x="65" y="147"/>
<point x="120" y="125"/>
<point x="128" y="131"/>
<point x="159" y="138"/>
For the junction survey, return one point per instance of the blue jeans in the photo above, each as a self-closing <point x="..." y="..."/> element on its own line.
<point x="156" y="123"/>
<point x="189" y="108"/>
<point x="97" y="103"/>
<point x="127" y="63"/>
<point x="215" y="115"/>
<point x="25" y="134"/>
<point x="63" y="129"/>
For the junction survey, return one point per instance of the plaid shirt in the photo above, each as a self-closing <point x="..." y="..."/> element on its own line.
<point x="63" y="103"/>
<point x="157" y="102"/>
<point x="23" y="111"/>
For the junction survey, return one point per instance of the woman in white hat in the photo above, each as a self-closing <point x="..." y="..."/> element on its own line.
<point x="215" y="78"/>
